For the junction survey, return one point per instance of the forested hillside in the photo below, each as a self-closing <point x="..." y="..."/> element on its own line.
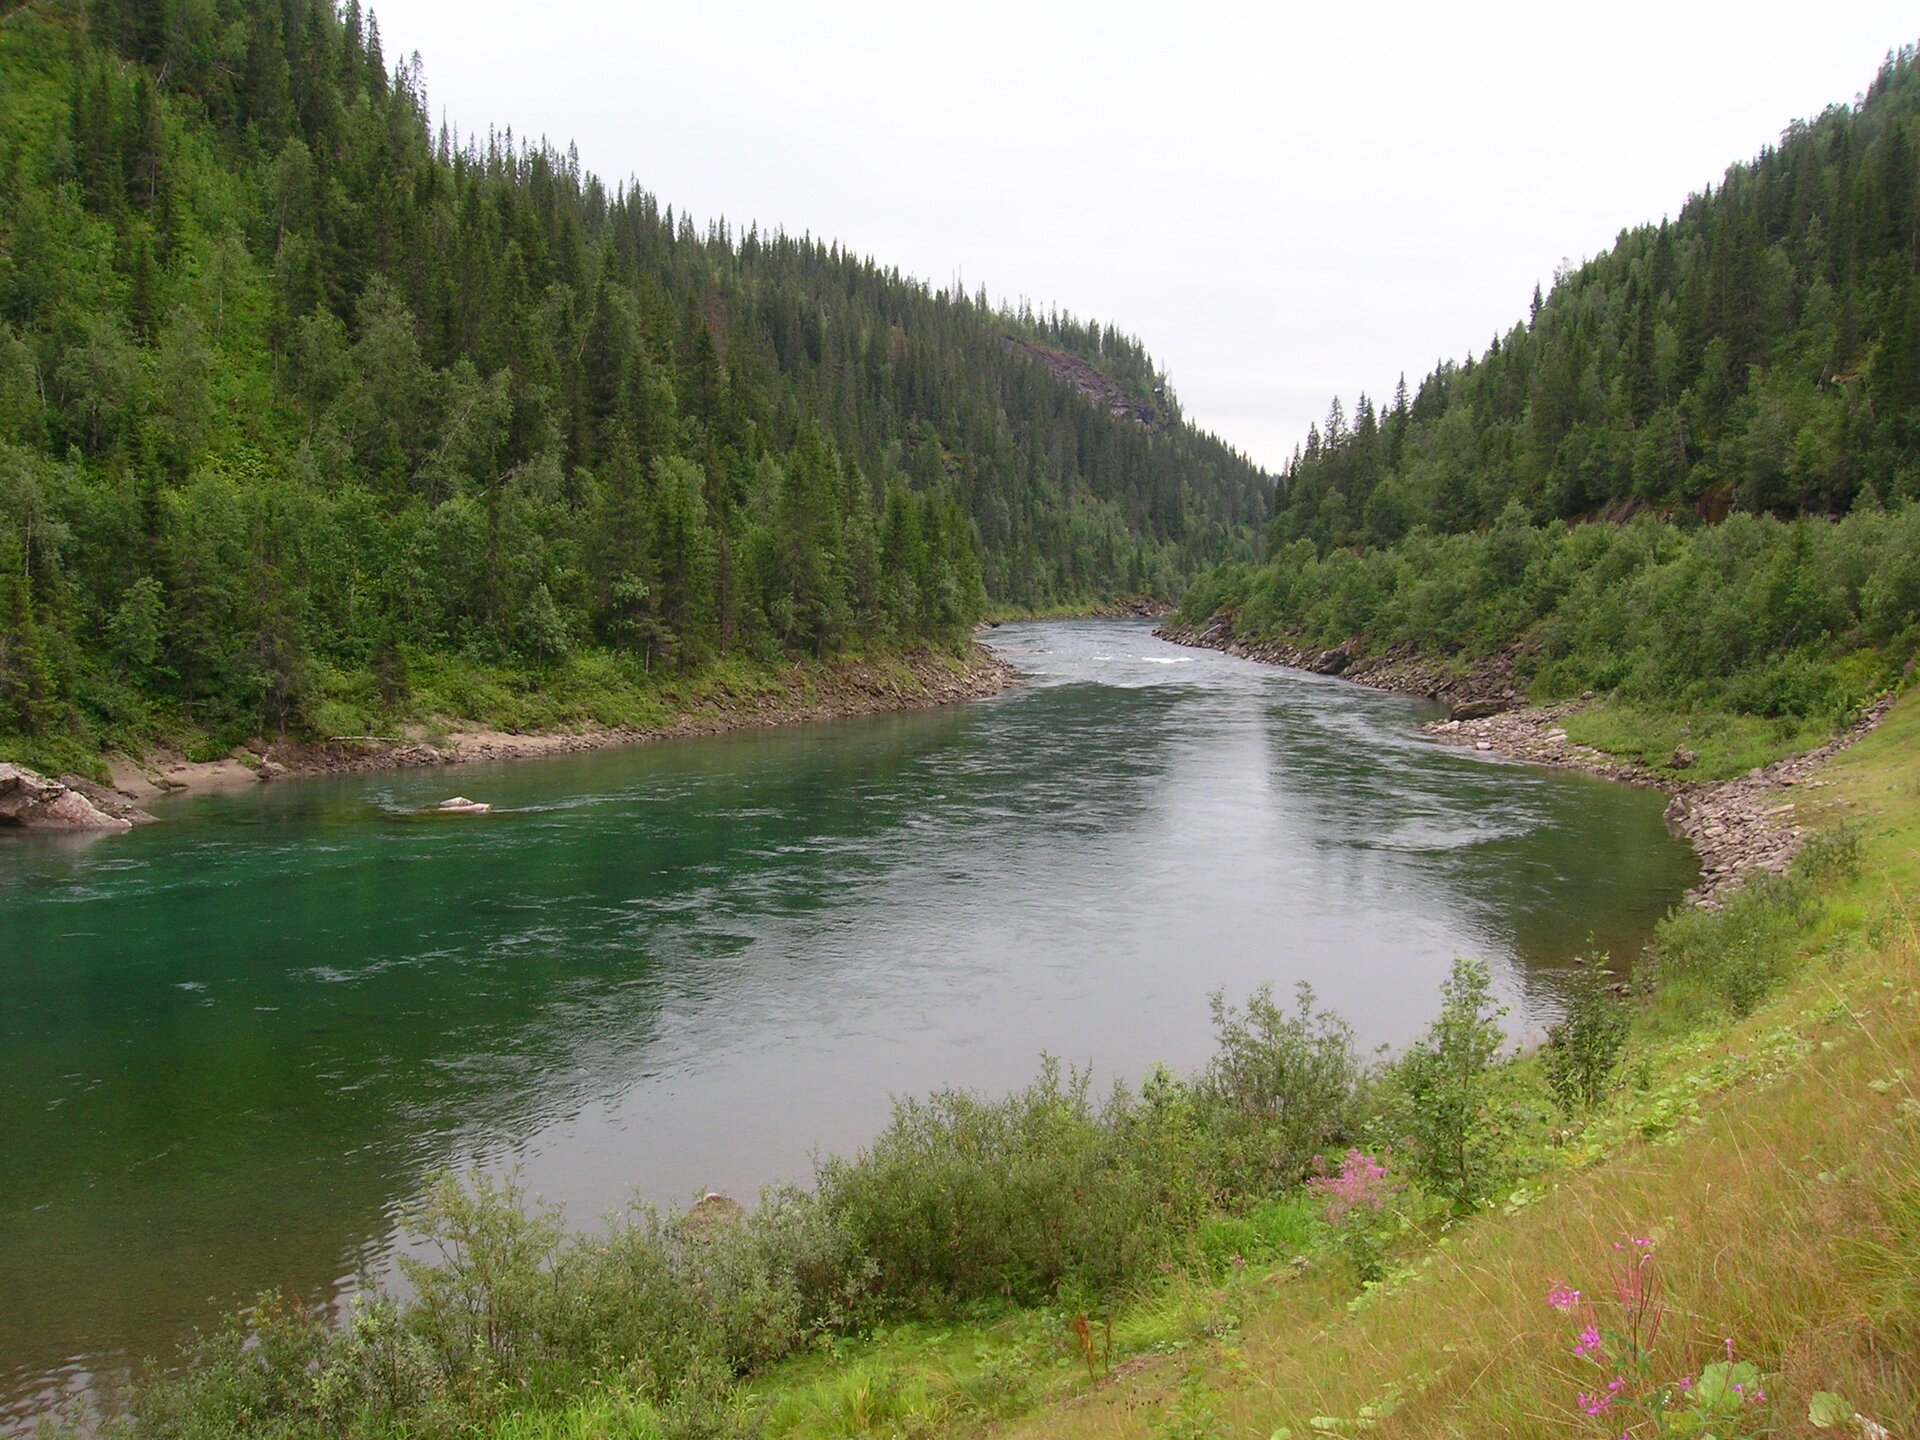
<point x="1757" y="357"/>
<point x="299" y="399"/>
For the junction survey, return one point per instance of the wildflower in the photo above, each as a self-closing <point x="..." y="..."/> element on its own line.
<point x="1361" y="1184"/>
<point x="1589" y="1342"/>
<point x="1595" y="1404"/>
<point x="1563" y="1299"/>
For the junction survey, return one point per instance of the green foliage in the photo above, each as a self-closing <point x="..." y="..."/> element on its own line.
<point x="1279" y="1089"/>
<point x="1738" y="383"/>
<point x="1272" y="1230"/>
<point x="1446" y="1078"/>
<point x="1731" y="957"/>
<point x="1742" y="639"/>
<point x="962" y="1199"/>
<point x="290" y="387"/>
<point x="1583" y="1050"/>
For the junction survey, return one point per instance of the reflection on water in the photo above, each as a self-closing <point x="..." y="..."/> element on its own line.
<point x="233" y="1044"/>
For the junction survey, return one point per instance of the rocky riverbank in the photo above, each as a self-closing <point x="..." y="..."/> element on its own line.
<point x="1486" y="688"/>
<point x="837" y="691"/>
<point x="1126" y="607"/>
<point x="31" y="801"/>
<point x="1739" y="827"/>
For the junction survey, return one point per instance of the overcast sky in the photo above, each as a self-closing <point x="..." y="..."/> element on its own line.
<point x="1285" y="202"/>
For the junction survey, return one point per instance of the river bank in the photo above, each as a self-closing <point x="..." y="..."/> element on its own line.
<point x="1746" y="825"/>
<point x="1124" y="607"/>
<point x="790" y="694"/>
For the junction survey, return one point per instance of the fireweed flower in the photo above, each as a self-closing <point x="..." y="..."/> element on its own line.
<point x="1589" y="1342"/>
<point x="1563" y="1299"/>
<point x="1361" y="1184"/>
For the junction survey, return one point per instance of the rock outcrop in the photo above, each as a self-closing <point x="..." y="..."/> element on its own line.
<point x="30" y="801"/>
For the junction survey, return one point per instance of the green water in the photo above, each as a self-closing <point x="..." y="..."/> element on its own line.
<point x="231" y="1045"/>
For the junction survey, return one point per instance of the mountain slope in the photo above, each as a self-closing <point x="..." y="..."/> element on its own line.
<point x="298" y="400"/>
<point x="1740" y="386"/>
<point x="1760" y="351"/>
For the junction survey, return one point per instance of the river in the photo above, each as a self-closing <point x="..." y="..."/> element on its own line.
<point x="232" y="1045"/>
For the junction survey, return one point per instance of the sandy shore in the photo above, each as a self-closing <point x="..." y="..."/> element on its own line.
<point x="853" y="688"/>
<point x="1740" y="827"/>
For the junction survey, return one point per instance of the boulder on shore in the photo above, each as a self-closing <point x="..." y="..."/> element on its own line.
<point x="713" y="1213"/>
<point x="1480" y="708"/>
<point x="31" y="801"/>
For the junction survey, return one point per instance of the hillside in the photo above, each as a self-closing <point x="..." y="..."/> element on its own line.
<point x="1687" y="480"/>
<point x="311" y="417"/>
<point x="1759" y="351"/>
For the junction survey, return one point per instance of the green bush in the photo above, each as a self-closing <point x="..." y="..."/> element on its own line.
<point x="963" y="1199"/>
<point x="1445" y="1079"/>
<point x="1733" y="956"/>
<point x="1279" y="1090"/>
<point x="1583" y="1049"/>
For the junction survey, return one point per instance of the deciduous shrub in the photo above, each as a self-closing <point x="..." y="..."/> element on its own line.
<point x="1278" y="1091"/>
<point x="1583" y="1049"/>
<point x="1444" y="1078"/>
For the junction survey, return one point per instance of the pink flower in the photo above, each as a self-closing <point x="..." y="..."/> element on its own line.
<point x="1589" y="1342"/>
<point x="1361" y="1184"/>
<point x="1563" y="1299"/>
<point x="1595" y="1404"/>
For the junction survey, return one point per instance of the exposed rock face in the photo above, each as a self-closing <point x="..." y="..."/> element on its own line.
<point x="1099" y="387"/>
<point x="107" y="800"/>
<point x="31" y="801"/>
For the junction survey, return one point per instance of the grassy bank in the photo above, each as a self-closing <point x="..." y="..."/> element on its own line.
<point x="1178" y="1263"/>
<point x="597" y="691"/>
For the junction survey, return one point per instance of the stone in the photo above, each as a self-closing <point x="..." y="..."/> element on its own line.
<point x="31" y="801"/>
<point x="1683" y="758"/>
<point x="1478" y="709"/>
<point x="107" y="800"/>
<point x="711" y="1213"/>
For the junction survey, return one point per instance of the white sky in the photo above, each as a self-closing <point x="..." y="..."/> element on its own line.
<point x="1284" y="201"/>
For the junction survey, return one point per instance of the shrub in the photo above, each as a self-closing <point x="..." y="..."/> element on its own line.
<point x="1279" y="1090"/>
<point x="1583" y="1050"/>
<point x="964" y="1199"/>
<point x="1735" y="955"/>
<point x="1445" y="1079"/>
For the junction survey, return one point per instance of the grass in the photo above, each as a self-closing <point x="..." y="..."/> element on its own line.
<point x="1726" y="744"/>
<point x="589" y="689"/>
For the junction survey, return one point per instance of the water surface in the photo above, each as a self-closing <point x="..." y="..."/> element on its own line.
<point x="232" y="1045"/>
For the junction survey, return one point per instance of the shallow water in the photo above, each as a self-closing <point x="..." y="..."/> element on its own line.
<point x="232" y="1045"/>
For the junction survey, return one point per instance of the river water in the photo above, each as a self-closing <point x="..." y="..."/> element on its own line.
<point x="233" y="1044"/>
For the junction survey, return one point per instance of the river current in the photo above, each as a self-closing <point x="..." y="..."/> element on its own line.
<point x="233" y="1045"/>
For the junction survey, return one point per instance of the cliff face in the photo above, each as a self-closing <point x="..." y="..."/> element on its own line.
<point x="1091" y="382"/>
